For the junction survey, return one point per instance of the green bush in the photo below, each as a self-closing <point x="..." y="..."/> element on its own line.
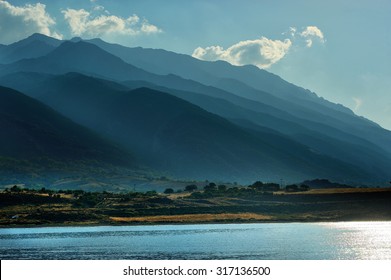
<point x="168" y="191"/>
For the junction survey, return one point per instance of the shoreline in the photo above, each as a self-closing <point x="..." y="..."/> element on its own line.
<point x="33" y="210"/>
<point x="134" y="224"/>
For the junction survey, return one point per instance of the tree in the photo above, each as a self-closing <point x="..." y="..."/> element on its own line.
<point x="271" y="187"/>
<point x="168" y="191"/>
<point x="150" y="193"/>
<point x="190" y="188"/>
<point x="257" y="185"/>
<point x="291" y="188"/>
<point x="211" y="187"/>
<point x="222" y="188"/>
<point x="15" y="188"/>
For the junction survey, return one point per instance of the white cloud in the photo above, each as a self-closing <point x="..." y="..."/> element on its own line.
<point x="357" y="103"/>
<point x="291" y="32"/>
<point x="82" y="23"/>
<point x="308" y="43"/>
<point x="18" y="22"/>
<point x="99" y="8"/>
<point x="262" y="52"/>
<point x="149" y="28"/>
<point x="311" y="32"/>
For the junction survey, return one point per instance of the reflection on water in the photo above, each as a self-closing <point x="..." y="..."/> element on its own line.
<point x="351" y="240"/>
<point x="364" y="240"/>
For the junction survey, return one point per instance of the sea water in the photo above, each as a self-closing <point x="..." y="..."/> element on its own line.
<point x="264" y="241"/>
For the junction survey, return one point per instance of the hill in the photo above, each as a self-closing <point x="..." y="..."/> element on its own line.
<point x="34" y="46"/>
<point x="171" y="134"/>
<point x="253" y="83"/>
<point x="37" y="142"/>
<point x="214" y="120"/>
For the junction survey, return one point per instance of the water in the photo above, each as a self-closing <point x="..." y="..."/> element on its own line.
<point x="291" y="241"/>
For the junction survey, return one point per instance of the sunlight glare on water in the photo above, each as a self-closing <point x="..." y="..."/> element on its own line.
<point x="278" y="241"/>
<point x="363" y="240"/>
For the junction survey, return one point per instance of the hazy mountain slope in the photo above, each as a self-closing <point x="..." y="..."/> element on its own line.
<point x="160" y="61"/>
<point x="278" y="114"/>
<point x="79" y="57"/>
<point x="283" y="107"/>
<point x="174" y="135"/>
<point x="34" y="46"/>
<point x="40" y="148"/>
<point x="216" y="73"/>
<point x="85" y="58"/>
<point x="323" y="112"/>
<point x="345" y="147"/>
<point x="31" y="130"/>
<point x="274" y="118"/>
<point x="164" y="62"/>
<point x="226" y="105"/>
<point x="220" y="74"/>
<point x="70" y="93"/>
<point x="285" y="118"/>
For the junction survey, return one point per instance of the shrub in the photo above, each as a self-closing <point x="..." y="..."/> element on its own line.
<point x="210" y="188"/>
<point x="190" y="188"/>
<point x="292" y="188"/>
<point x="222" y="188"/>
<point x="168" y="191"/>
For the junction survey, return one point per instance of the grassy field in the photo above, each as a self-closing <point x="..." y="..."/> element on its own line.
<point x="194" y="218"/>
<point x="340" y="191"/>
<point x="236" y="205"/>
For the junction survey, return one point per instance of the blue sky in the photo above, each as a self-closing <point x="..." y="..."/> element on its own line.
<point x="339" y="49"/>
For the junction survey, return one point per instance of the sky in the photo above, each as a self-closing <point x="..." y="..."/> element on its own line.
<point x="341" y="50"/>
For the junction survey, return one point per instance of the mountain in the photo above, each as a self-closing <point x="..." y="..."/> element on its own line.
<point x="171" y="134"/>
<point x="86" y="58"/>
<point x="245" y="81"/>
<point x="252" y="82"/>
<point x="344" y="147"/>
<point x="79" y="57"/>
<point x="216" y="73"/>
<point x="345" y="151"/>
<point x="37" y="140"/>
<point x="34" y="46"/>
<point x="295" y="131"/>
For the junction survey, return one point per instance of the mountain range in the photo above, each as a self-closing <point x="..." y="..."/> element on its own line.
<point x="178" y="115"/>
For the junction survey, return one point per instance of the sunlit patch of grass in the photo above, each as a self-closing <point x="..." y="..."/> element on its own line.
<point x="338" y="191"/>
<point x="190" y="218"/>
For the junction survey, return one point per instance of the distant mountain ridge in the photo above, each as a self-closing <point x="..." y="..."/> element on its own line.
<point x="198" y="119"/>
<point x="142" y="118"/>
<point x="214" y="73"/>
<point x="34" y="46"/>
<point x="37" y="143"/>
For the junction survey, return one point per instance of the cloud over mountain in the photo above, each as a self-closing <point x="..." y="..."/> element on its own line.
<point x="311" y="32"/>
<point x="84" y="23"/>
<point x="262" y="52"/>
<point x="17" y="22"/>
<point x="357" y="103"/>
